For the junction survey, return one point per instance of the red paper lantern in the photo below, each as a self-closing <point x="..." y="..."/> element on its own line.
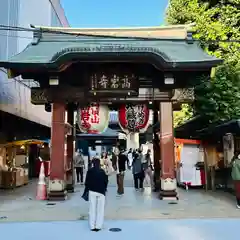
<point x="93" y="118"/>
<point x="133" y="118"/>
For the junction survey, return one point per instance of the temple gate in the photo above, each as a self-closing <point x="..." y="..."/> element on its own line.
<point x="75" y="67"/>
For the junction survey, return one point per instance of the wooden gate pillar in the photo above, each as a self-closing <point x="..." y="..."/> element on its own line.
<point x="57" y="165"/>
<point x="156" y="152"/>
<point x="70" y="150"/>
<point x="168" y="175"/>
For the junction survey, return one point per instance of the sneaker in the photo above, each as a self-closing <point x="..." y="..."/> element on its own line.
<point x="238" y="206"/>
<point x="136" y="189"/>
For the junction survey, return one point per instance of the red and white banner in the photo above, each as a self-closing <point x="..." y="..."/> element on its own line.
<point x="93" y="119"/>
<point x="133" y="118"/>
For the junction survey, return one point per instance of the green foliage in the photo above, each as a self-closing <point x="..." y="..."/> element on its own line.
<point x="180" y="117"/>
<point x="218" y="98"/>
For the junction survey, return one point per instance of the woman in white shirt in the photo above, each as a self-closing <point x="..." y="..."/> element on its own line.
<point x="130" y="157"/>
<point x="106" y="164"/>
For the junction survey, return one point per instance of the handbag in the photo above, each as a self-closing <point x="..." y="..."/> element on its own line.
<point x="85" y="195"/>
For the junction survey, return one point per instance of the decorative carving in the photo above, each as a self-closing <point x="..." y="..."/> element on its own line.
<point x="41" y="96"/>
<point x="183" y="95"/>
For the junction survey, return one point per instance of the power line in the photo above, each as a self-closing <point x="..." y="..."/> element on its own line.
<point x="42" y="30"/>
<point x="12" y="36"/>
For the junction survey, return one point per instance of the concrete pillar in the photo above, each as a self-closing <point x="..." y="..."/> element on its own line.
<point x="70" y="150"/>
<point x="167" y="153"/>
<point x="133" y="140"/>
<point x="57" y="166"/>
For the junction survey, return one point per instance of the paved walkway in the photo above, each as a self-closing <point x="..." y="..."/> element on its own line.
<point x="20" y="205"/>
<point x="131" y="229"/>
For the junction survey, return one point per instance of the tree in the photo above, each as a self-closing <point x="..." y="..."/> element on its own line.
<point x="215" y="22"/>
<point x="180" y="117"/>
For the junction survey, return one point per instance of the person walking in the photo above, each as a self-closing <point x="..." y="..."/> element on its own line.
<point x="148" y="168"/>
<point x="236" y="176"/>
<point x="96" y="185"/>
<point x="106" y="163"/>
<point x="119" y="165"/>
<point x="137" y="171"/>
<point x="130" y="158"/>
<point x="79" y="164"/>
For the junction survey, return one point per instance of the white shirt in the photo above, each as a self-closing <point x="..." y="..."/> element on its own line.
<point x="130" y="157"/>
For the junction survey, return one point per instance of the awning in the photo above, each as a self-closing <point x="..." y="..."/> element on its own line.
<point x="232" y="126"/>
<point x="25" y="142"/>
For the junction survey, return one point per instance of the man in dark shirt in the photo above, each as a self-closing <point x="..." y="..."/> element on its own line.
<point x="121" y="168"/>
<point x="96" y="183"/>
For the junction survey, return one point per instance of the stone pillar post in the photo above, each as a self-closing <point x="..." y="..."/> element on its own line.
<point x="57" y="165"/>
<point x="168" y="176"/>
<point x="70" y="150"/>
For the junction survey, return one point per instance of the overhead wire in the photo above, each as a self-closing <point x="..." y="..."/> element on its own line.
<point x="12" y="36"/>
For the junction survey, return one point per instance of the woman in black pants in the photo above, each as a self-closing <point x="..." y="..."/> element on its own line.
<point x="138" y="173"/>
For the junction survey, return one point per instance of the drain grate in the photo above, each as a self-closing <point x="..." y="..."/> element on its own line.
<point x="51" y="204"/>
<point x="166" y="214"/>
<point x="115" y="229"/>
<point x="172" y="203"/>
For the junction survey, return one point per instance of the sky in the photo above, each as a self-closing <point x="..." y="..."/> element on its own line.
<point x="114" y="13"/>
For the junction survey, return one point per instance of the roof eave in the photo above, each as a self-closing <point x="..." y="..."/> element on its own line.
<point x="166" y="64"/>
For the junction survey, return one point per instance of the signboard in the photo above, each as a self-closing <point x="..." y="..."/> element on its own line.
<point x="104" y="82"/>
<point x="93" y="118"/>
<point x="133" y="118"/>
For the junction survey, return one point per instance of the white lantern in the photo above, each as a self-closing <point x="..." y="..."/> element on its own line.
<point x="93" y="119"/>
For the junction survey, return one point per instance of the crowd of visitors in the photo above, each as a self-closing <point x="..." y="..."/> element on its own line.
<point x="118" y="162"/>
<point x="101" y="167"/>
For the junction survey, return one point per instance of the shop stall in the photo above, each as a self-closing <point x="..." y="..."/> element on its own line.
<point x="190" y="168"/>
<point x="14" y="163"/>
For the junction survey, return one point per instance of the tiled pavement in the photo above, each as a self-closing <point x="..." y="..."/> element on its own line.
<point x="217" y="229"/>
<point x="21" y="205"/>
<point x="197" y="215"/>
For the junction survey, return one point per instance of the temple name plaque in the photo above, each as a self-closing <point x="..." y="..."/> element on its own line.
<point x="113" y="83"/>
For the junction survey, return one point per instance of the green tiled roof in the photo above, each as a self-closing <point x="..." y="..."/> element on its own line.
<point x="50" y="48"/>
